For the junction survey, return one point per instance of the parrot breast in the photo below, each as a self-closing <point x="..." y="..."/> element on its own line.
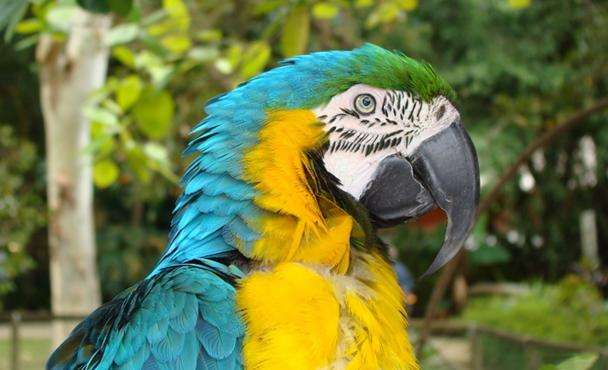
<point x="300" y="316"/>
<point x="312" y="300"/>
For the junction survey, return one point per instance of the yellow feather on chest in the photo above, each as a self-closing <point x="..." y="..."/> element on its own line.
<point x="313" y="303"/>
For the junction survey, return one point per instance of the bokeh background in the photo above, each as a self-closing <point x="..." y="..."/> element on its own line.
<point x="532" y="83"/>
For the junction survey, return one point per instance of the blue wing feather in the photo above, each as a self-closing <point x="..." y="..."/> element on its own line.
<point x="184" y="318"/>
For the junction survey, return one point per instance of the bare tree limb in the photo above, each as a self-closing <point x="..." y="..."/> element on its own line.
<point x="448" y="271"/>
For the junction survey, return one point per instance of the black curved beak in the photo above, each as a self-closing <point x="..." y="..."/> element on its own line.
<point x="443" y="172"/>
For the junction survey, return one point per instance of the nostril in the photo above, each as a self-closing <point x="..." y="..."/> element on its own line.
<point x="440" y="112"/>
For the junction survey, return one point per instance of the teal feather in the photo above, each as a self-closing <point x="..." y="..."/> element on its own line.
<point x="157" y="331"/>
<point x="185" y="321"/>
<point x="217" y="343"/>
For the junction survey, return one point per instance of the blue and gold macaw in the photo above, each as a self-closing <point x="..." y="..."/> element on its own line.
<point x="273" y="260"/>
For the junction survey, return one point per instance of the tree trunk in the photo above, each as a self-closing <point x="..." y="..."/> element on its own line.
<point x="70" y="71"/>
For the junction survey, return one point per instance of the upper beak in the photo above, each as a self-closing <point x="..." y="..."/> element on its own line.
<point x="442" y="172"/>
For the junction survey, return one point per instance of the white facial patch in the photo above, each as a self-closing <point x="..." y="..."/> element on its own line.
<point x="366" y="124"/>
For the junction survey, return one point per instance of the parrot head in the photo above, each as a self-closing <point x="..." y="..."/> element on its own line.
<point x="402" y="155"/>
<point x="383" y="133"/>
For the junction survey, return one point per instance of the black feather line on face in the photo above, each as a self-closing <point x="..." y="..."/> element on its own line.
<point x="396" y="105"/>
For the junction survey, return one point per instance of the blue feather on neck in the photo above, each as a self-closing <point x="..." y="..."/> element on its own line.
<point x="212" y="216"/>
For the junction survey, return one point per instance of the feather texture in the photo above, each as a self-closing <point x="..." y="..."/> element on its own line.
<point x="176" y="325"/>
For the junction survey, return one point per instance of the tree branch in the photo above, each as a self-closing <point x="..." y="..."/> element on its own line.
<point x="448" y="271"/>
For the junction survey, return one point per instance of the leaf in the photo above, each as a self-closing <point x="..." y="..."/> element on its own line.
<point x="61" y="17"/>
<point x="138" y="162"/>
<point x="11" y="12"/>
<point x="156" y="152"/>
<point x="580" y="362"/>
<point x="153" y="113"/>
<point x="177" y="44"/>
<point x="519" y="4"/>
<point x="325" y="10"/>
<point x="363" y="3"/>
<point x="95" y="6"/>
<point x="211" y="35"/>
<point x="223" y="65"/>
<point x="28" y="26"/>
<point x="384" y="13"/>
<point x="128" y="91"/>
<point x="121" y="34"/>
<point x="204" y="53"/>
<point x="105" y="173"/>
<point x="101" y="115"/>
<point x="296" y="29"/>
<point x="120" y="7"/>
<point x="124" y="55"/>
<point x="255" y="59"/>
<point x="408" y="5"/>
<point x="178" y="11"/>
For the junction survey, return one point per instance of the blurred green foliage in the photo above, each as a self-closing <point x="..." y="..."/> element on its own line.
<point x="21" y="203"/>
<point x="519" y="66"/>
<point x="572" y="311"/>
<point x="579" y="362"/>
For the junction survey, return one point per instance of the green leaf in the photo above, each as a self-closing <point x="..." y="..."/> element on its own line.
<point x="296" y="29"/>
<point x="584" y="361"/>
<point x="61" y="17"/>
<point x="120" y="7"/>
<point x="11" y="12"/>
<point x="363" y="3"/>
<point x="28" y="26"/>
<point x="122" y="34"/>
<point x="153" y="113"/>
<point x="408" y="5"/>
<point x="580" y="362"/>
<point x="128" y="91"/>
<point x="101" y="115"/>
<point x="124" y="55"/>
<point x="95" y="6"/>
<point x="383" y="14"/>
<point x="211" y="35"/>
<point x="204" y="54"/>
<point x="177" y="44"/>
<point x="255" y="59"/>
<point x="27" y="42"/>
<point x="178" y="11"/>
<point x="159" y="161"/>
<point x="105" y="173"/>
<point x="325" y="10"/>
<point x="519" y="4"/>
<point x="138" y="162"/>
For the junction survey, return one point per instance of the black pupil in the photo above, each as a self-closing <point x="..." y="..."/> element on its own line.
<point x="366" y="101"/>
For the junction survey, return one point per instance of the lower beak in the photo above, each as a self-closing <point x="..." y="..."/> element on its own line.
<point x="443" y="172"/>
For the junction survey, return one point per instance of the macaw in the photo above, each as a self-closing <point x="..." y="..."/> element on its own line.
<point x="273" y="259"/>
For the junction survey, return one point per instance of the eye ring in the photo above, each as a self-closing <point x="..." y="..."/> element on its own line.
<point x="365" y="104"/>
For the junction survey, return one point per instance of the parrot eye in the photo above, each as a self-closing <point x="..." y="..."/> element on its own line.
<point x="365" y="104"/>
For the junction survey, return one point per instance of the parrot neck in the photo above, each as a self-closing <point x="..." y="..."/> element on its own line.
<point x="273" y="202"/>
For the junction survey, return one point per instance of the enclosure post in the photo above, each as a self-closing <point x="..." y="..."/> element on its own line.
<point x="15" y="355"/>
<point x="532" y="356"/>
<point x="476" y="356"/>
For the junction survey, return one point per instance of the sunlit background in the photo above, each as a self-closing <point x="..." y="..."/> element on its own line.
<point x="532" y="84"/>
